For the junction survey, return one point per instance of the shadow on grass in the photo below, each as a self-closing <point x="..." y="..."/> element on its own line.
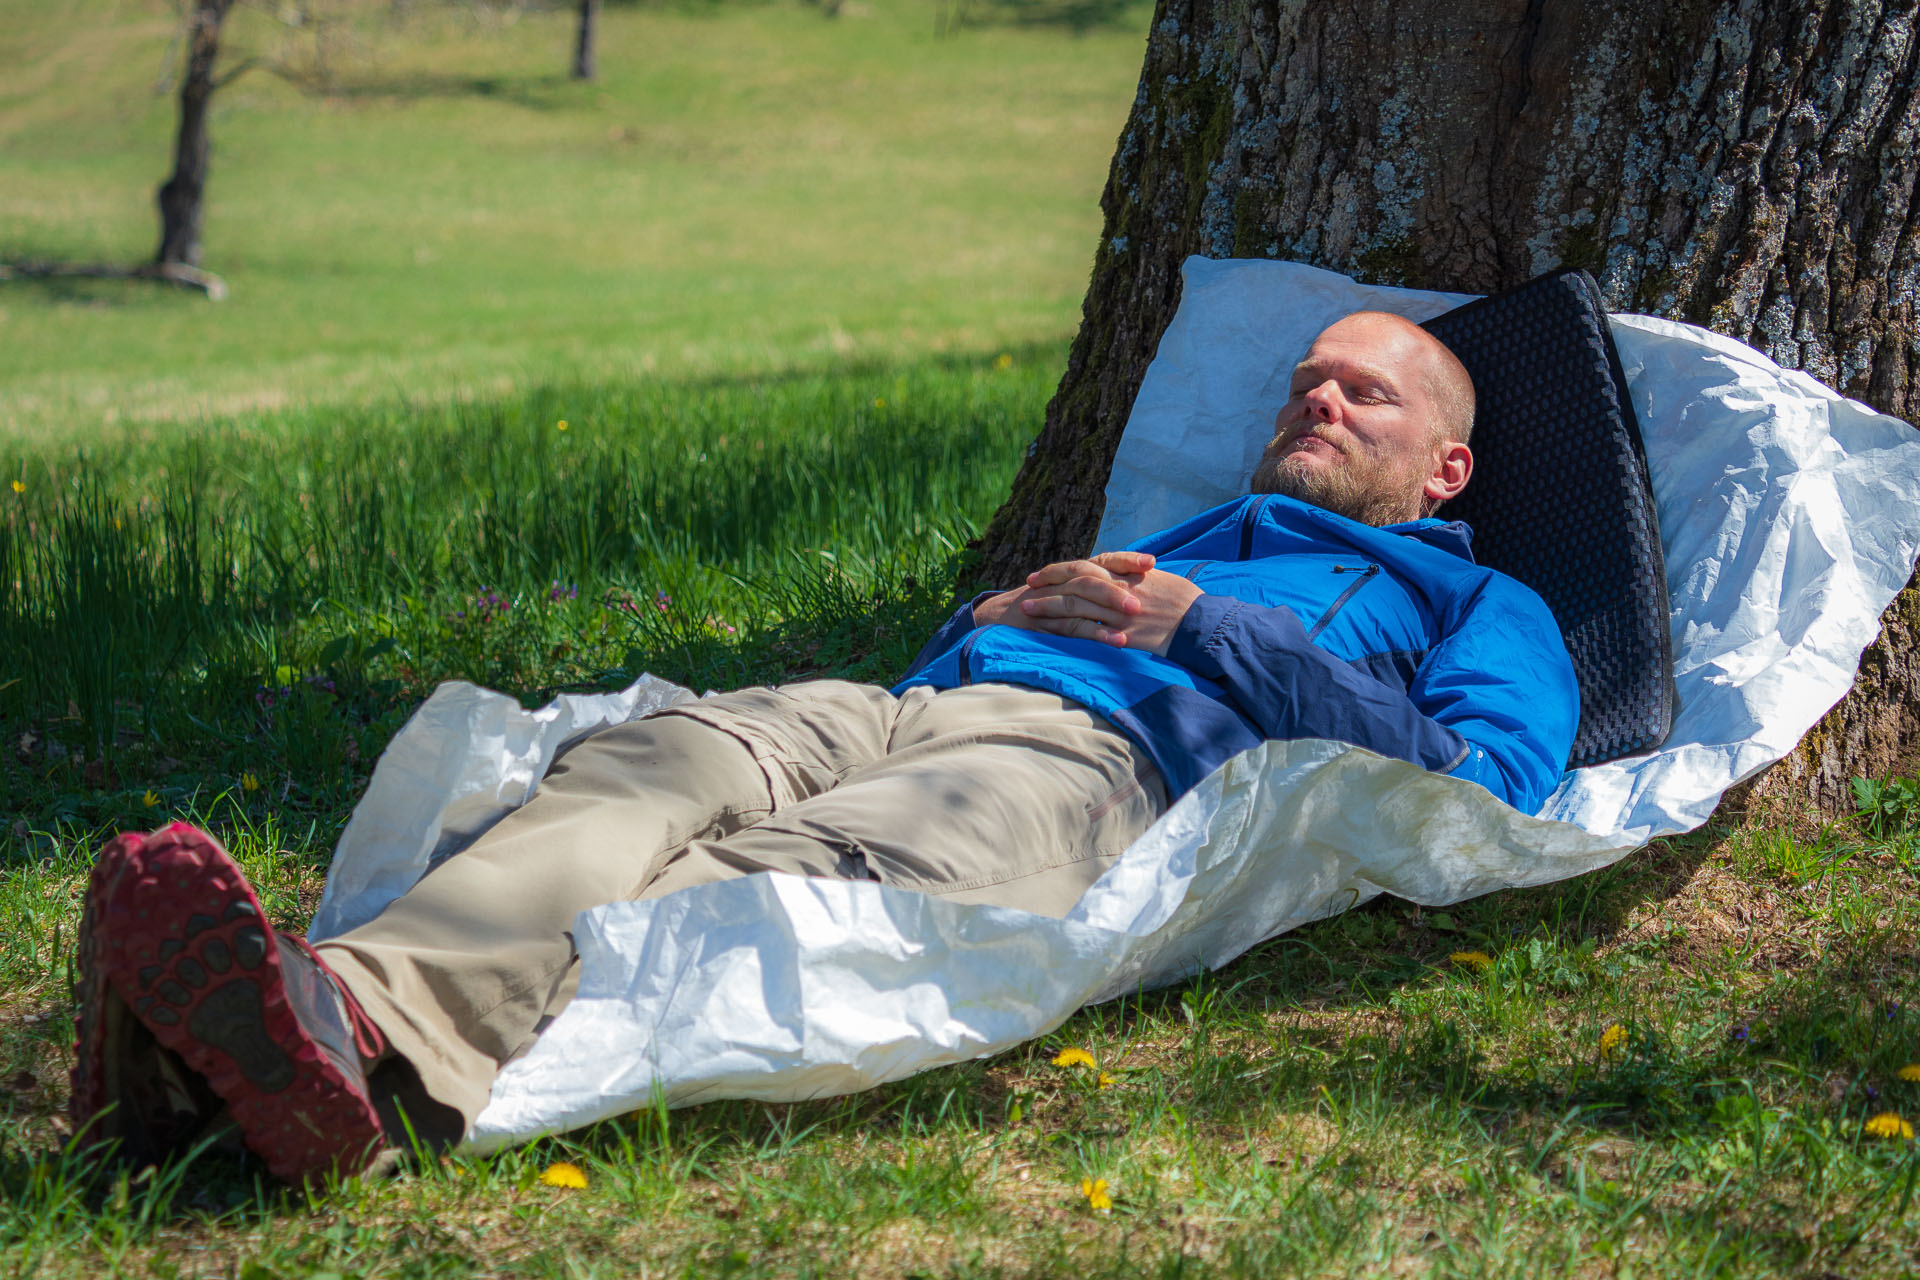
<point x="101" y="284"/>
<point x="1076" y="16"/>
<point x="75" y="290"/>
<point x="535" y="93"/>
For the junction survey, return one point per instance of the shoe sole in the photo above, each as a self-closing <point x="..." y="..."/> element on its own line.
<point x="90" y="1094"/>
<point x="182" y="939"/>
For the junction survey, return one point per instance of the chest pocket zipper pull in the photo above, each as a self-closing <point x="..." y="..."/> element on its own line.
<point x="1340" y="601"/>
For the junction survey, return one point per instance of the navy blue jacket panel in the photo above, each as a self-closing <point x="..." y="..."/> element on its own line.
<point x="1312" y="625"/>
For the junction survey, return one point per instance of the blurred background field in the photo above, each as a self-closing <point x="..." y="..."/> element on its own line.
<point x="413" y="200"/>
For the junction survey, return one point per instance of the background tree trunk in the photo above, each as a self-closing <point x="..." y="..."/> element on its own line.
<point x="585" y="60"/>
<point x="182" y="197"/>
<point x="1748" y="165"/>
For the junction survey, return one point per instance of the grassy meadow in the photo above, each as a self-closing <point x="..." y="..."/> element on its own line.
<point x="712" y="369"/>
<point x="410" y="200"/>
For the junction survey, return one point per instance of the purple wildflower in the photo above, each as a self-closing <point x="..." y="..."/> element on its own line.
<point x="489" y="604"/>
<point x="1741" y="1034"/>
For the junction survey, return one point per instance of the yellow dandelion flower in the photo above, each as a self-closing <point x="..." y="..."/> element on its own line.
<point x="151" y="798"/>
<point x="19" y="486"/>
<point x="1003" y="361"/>
<point x="1095" y="1190"/>
<point x="1613" y="1039"/>
<point x="249" y="782"/>
<point x="1073" y="1058"/>
<point x="560" y="425"/>
<point x="1910" y="1073"/>
<point x="562" y="1174"/>
<point x="116" y="524"/>
<point x="1478" y="960"/>
<point x="1105" y="1080"/>
<point x="1889" y="1125"/>
<point x="879" y="403"/>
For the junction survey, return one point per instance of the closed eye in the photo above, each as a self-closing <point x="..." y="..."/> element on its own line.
<point x="1358" y="393"/>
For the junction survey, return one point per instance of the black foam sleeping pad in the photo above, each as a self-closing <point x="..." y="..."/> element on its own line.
<point x="1560" y="499"/>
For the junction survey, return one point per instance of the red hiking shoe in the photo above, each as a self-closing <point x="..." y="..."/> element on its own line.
<point x="174" y="934"/>
<point x="128" y="1091"/>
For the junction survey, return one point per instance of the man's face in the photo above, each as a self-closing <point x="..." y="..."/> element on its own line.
<point x="1356" y="435"/>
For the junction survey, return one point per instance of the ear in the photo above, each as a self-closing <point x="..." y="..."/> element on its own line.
<point x="1452" y="465"/>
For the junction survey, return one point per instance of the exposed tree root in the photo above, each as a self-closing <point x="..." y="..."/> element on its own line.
<point x="173" y="273"/>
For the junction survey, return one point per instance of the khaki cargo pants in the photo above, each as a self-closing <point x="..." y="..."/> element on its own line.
<point x="988" y="793"/>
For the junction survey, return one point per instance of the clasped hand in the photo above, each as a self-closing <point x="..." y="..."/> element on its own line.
<point x="1117" y="598"/>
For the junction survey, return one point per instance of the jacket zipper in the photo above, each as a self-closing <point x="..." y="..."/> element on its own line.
<point x="966" y="660"/>
<point x="1340" y="601"/>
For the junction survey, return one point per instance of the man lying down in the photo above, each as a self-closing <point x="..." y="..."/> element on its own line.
<point x="1037" y="735"/>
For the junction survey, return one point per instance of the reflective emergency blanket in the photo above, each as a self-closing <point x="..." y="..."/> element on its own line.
<point x="1790" y="518"/>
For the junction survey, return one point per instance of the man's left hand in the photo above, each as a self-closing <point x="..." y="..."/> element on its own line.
<point x="1163" y="598"/>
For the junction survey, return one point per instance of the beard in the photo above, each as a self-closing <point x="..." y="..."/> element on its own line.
<point x="1374" y="492"/>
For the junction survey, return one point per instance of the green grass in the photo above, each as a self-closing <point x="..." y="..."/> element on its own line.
<point x="749" y="188"/>
<point x="270" y="596"/>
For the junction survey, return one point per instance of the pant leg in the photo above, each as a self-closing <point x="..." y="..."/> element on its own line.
<point x="460" y="970"/>
<point x="987" y="793"/>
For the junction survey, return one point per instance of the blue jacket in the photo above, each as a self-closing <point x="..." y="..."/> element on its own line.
<point x="1313" y="626"/>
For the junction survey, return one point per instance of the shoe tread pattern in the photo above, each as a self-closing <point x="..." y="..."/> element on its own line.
<point x="235" y="1026"/>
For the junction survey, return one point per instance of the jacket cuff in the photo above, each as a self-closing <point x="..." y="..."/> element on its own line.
<point x="1204" y="621"/>
<point x="959" y="624"/>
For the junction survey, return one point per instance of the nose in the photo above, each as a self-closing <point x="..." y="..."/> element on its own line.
<point x="1322" y="401"/>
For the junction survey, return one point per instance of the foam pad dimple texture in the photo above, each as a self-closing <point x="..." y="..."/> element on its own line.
<point x="1560" y="499"/>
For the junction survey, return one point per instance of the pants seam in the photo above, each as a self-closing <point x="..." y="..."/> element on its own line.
<point x="946" y="887"/>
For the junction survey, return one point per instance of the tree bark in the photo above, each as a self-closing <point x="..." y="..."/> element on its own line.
<point x="182" y="197"/>
<point x="585" y="59"/>
<point x="1748" y="165"/>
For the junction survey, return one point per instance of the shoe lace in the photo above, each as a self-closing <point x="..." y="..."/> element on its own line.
<point x="368" y="1040"/>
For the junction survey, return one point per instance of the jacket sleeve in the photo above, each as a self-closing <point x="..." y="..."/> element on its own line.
<point x="957" y="625"/>
<point x="1494" y="702"/>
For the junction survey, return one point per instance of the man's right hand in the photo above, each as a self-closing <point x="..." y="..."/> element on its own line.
<point x="1102" y="587"/>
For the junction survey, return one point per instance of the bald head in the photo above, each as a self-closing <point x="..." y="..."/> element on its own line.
<point x="1376" y="422"/>
<point x="1448" y="384"/>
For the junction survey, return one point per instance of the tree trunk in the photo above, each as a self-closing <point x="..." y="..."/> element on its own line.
<point x="585" y="61"/>
<point x="182" y="197"/>
<point x="1748" y="165"/>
